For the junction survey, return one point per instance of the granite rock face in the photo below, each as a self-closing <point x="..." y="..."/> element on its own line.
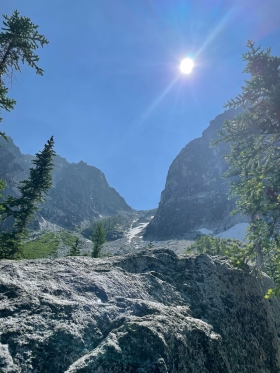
<point x="195" y="194"/>
<point x="151" y="312"/>
<point x="80" y="192"/>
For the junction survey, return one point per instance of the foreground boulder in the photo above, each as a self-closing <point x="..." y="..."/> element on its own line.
<point x="147" y="312"/>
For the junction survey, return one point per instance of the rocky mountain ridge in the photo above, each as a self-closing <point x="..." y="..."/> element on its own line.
<point x="80" y="192"/>
<point x="195" y="194"/>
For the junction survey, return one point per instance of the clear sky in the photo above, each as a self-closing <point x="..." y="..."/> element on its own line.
<point x="112" y="93"/>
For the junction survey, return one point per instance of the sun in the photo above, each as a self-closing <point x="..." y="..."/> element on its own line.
<point x="186" y="66"/>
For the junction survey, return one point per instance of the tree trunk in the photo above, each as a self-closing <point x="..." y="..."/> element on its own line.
<point x="258" y="248"/>
<point x="259" y="259"/>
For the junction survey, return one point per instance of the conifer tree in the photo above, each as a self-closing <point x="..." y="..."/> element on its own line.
<point x="23" y="208"/>
<point x="151" y="244"/>
<point x="75" y="250"/>
<point x="99" y="238"/>
<point x="18" y="41"/>
<point x="2" y="186"/>
<point x="254" y="157"/>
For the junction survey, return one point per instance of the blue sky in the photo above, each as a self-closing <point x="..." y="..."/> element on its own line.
<point x="112" y="93"/>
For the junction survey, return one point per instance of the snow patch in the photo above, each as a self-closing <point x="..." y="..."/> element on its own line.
<point x="205" y="231"/>
<point x="237" y="232"/>
<point x="134" y="231"/>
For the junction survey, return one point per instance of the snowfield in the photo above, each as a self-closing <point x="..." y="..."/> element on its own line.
<point x="237" y="232"/>
<point x="135" y="231"/>
<point x="206" y="231"/>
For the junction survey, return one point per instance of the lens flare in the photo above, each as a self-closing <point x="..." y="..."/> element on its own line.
<point x="186" y="66"/>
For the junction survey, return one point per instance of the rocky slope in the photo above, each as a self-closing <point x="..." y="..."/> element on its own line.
<point x="80" y="192"/>
<point x="149" y="312"/>
<point x="128" y="238"/>
<point x="195" y="195"/>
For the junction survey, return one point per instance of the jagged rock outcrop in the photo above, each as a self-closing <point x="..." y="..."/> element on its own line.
<point x="149" y="312"/>
<point x="80" y="192"/>
<point x="195" y="194"/>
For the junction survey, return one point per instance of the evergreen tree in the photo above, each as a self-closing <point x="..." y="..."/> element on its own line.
<point x="254" y="157"/>
<point x="18" y="41"/>
<point x="75" y="250"/>
<point x="235" y="250"/>
<point x="23" y="208"/>
<point x="151" y="244"/>
<point x="2" y="186"/>
<point x="99" y="238"/>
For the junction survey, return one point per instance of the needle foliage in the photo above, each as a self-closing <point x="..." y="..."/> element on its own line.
<point x="98" y="239"/>
<point x="19" y="40"/>
<point x="22" y="209"/>
<point x="254" y="157"/>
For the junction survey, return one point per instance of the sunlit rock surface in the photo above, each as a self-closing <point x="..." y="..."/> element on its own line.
<point x="149" y="312"/>
<point x="195" y="194"/>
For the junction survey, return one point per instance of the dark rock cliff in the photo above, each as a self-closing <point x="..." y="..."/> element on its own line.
<point x="195" y="194"/>
<point x="80" y="192"/>
<point x="150" y="312"/>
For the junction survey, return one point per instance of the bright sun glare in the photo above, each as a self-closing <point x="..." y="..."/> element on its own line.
<point x="186" y="66"/>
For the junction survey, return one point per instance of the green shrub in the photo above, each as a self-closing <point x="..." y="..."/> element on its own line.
<point x="67" y="238"/>
<point x="47" y="245"/>
<point x="235" y="250"/>
<point x="42" y="247"/>
<point x="110" y="224"/>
